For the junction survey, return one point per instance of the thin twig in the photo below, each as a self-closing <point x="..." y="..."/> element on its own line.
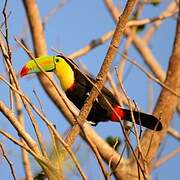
<point x="167" y="157"/>
<point x="110" y="161"/>
<point x="115" y="90"/>
<point x="16" y="124"/>
<point x="172" y="8"/>
<point x="119" y="161"/>
<point x="50" y="125"/>
<point x="39" y="101"/>
<point x="6" y="28"/>
<point x="37" y="131"/>
<point x="144" y="171"/>
<point x="30" y="150"/>
<point x="6" y="37"/>
<point x="148" y="74"/>
<point x="145" y="21"/>
<point x="93" y="44"/>
<point x="19" y="143"/>
<point x="53" y="11"/>
<point x="18" y="103"/>
<point x="174" y="133"/>
<point x="8" y="161"/>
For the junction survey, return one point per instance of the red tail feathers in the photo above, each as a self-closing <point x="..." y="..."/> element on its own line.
<point x="143" y="119"/>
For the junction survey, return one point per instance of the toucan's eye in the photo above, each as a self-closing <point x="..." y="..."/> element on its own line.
<point x="57" y="60"/>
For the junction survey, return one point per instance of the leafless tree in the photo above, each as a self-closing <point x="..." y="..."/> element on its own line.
<point x="142" y="159"/>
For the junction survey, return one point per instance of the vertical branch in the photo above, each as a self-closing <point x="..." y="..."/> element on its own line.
<point x="6" y="36"/>
<point x="166" y="103"/>
<point x="123" y="19"/>
<point x="18" y="104"/>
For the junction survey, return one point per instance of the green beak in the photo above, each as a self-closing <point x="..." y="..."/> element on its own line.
<point x="45" y="62"/>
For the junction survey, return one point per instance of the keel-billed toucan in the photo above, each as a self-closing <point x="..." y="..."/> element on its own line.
<point x="77" y="88"/>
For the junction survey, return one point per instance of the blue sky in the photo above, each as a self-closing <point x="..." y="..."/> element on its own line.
<point x="74" y="26"/>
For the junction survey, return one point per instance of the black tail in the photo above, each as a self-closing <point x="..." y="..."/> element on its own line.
<point x="143" y="119"/>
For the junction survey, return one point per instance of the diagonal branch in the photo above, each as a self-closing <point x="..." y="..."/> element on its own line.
<point x="8" y="161"/>
<point x="123" y="19"/>
<point x="14" y="121"/>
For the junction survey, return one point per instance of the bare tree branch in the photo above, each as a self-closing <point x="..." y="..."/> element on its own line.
<point x="174" y="133"/>
<point x="165" y="158"/>
<point x="166" y="103"/>
<point x="8" y="161"/>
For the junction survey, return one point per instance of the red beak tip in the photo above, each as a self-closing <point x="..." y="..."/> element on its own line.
<point x="24" y="71"/>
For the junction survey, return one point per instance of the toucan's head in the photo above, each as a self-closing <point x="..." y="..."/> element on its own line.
<point x="57" y="64"/>
<point x="47" y="63"/>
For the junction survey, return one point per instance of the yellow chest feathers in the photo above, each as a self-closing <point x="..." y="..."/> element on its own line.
<point x="65" y="74"/>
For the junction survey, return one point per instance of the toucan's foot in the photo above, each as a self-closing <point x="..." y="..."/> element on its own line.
<point x="92" y="123"/>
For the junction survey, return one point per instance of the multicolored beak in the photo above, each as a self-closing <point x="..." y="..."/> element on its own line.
<point x="45" y="62"/>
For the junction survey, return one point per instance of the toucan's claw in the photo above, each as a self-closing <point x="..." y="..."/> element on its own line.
<point x="92" y="123"/>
